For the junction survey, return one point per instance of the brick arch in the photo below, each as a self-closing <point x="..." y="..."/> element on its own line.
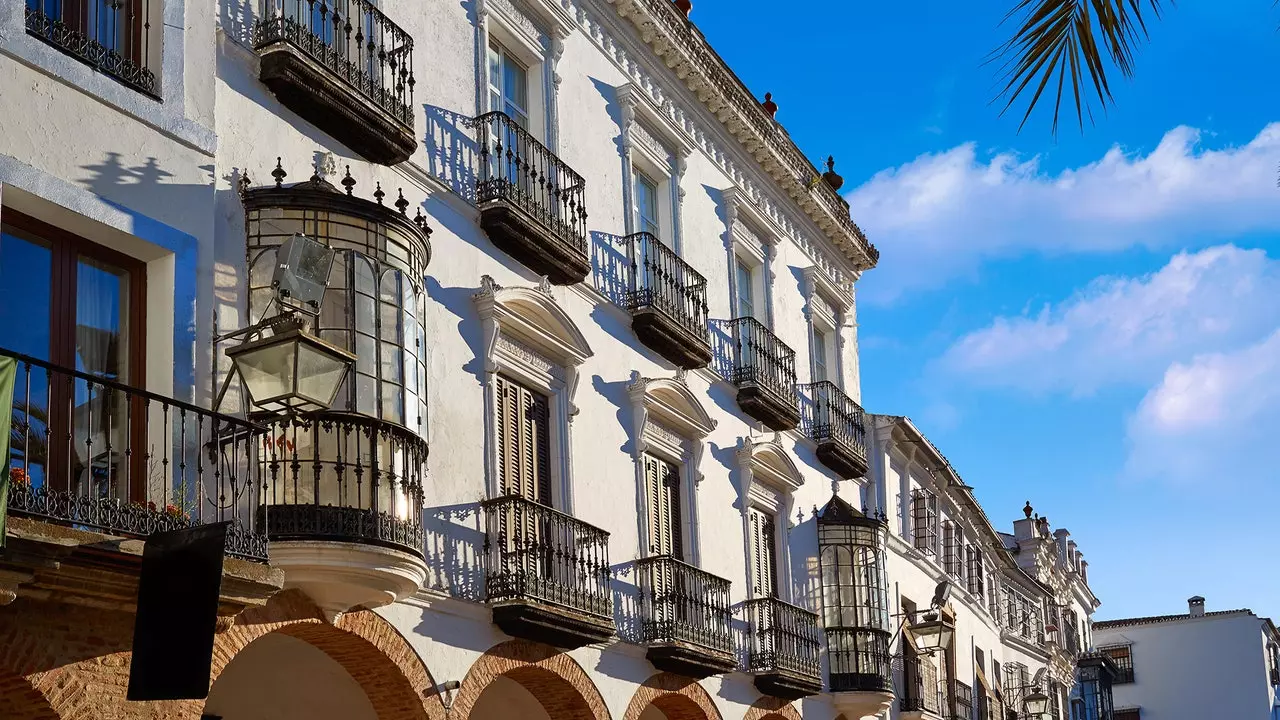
<point x="556" y="680"/>
<point x="364" y="643"/>
<point x="677" y="696"/>
<point x="771" y="708"/>
<point x="20" y="700"/>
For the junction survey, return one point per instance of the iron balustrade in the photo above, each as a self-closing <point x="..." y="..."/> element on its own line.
<point x="534" y="552"/>
<point x="113" y="36"/>
<point x="760" y="358"/>
<point x="96" y="454"/>
<point x="832" y="416"/>
<point x="353" y="40"/>
<point x="784" y="637"/>
<point x="517" y="169"/>
<point x="858" y="660"/>
<point x="660" y="280"/>
<point x="921" y="691"/>
<point x="343" y="477"/>
<point x="681" y="603"/>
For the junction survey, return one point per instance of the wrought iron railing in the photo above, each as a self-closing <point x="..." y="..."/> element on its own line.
<point x="343" y="477"/>
<point x="784" y="637"/>
<point x="517" y="169"/>
<point x="681" y="603"/>
<point x="354" y="40"/>
<point x="660" y="280"/>
<point x="534" y="552"/>
<point x="921" y="691"/>
<point x="858" y="660"/>
<point x="832" y="416"/>
<point x="96" y="454"/>
<point x="760" y="358"/>
<point x="113" y="36"/>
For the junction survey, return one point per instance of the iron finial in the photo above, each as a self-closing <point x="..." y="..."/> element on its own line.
<point x="279" y="174"/>
<point x="769" y="105"/>
<point x="1027" y="509"/>
<point x="401" y="204"/>
<point x="348" y="182"/>
<point x="378" y="194"/>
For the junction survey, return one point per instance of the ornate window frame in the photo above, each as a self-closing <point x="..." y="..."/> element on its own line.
<point x="769" y="479"/>
<point x="529" y="338"/>
<point x="828" y="308"/>
<point x="669" y="422"/>
<point x="534" y="32"/>
<point x="753" y="238"/>
<point x="652" y="145"/>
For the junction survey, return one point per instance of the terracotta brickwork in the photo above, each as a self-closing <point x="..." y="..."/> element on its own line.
<point x="69" y="662"/>
<point x="677" y="696"/>
<point x="557" y="681"/>
<point x="770" y="708"/>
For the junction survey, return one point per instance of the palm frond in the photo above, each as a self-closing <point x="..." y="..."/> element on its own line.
<point x="1070" y="41"/>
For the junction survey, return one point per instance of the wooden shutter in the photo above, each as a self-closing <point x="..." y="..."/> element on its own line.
<point x="524" y="445"/>
<point x="662" y="495"/>
<point x="764" y="553"/>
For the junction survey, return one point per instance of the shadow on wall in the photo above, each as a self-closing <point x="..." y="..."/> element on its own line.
<point x="237" y="18"/>
<point x="454" y="549"/>
<point x="802" y="538"/>
<point x="724" y="348"/>
<point x="458" y="302"/>
<point x="452" y="151"/>
<point x="616" y="393"/>
<point x="627" y="602"/>
<point x="610" y="266"/>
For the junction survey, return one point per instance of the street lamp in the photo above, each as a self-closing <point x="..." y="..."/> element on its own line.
<point x="932" y="633"/>
<point x="1036" y="704"/>
<point x="291" y="370"/>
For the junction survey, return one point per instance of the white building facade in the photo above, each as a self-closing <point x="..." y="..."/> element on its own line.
<point x="1222" y="663"/>
<point x="605" y="376"/>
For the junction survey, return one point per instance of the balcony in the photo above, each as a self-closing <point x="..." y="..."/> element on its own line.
<point x="531" y="203"/>
<point x="92" y="462"/>
<point x="921" y="698"/>
<point x="685" y="618"/>
<point x="346" y="68"/>
<point x="836" y="423"/>
<point x="668" y="302"/>
<point x="113" y="38"/>
<point x="785" y="649"/>
<point x="859" y="672"/>
<point x="546" y="574"/>
<point x="762" y="367"/>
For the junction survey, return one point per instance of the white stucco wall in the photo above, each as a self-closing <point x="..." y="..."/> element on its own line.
<point x="1195" y="668"/>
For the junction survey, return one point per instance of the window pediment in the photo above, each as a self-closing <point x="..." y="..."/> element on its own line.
<point x="532" y="317"/>
<point x="766" y="461"/>
<point x="669" y="401"/>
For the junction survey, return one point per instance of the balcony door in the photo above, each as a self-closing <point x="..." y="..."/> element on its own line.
<point x="531" y="541"/>
<point x="77" y="305"/>
<point x="764" y="553"/>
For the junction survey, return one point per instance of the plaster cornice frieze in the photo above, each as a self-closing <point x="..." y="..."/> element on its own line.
<point x="693" y="61"/>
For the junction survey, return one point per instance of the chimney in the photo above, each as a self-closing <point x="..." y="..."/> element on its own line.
<point x="1195" y="606"/>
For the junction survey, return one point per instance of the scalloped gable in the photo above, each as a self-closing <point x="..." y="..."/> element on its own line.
<point x="532" y="315"/>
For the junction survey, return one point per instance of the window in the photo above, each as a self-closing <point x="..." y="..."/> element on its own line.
<point x="964" y="700"/>
<point x="764" y="553"/>
<point x="745" y="277"/>
<point x="1122" y="656"/>
<point x="81" y="306"/>
<point x="977" y="584"/>
<point x="110" y="35"/>
<point x="1127" y="714"/>
<point x="524" y="446"/>
<point x="924" y="520"/>
<point x="820" y="373"/>
<point x="647" y="213"/>
<point x="951" y="549"/>
<point x="508" y="85"/>
<point x="662" y="492"/>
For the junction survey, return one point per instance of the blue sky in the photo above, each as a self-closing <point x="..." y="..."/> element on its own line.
<point x="1090" y="322"/>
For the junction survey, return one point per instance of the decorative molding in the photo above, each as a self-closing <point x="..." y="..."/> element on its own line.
<point x="691" y="59"/>
<point x="512" y="346"/>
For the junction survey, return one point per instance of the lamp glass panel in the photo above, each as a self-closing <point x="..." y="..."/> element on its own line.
<point x="319" y="374"/>
<point x="267" y="371"/>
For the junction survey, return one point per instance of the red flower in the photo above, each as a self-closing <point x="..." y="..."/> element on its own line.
<point x="18" y="476"/>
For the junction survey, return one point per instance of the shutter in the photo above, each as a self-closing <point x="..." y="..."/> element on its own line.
<point x="524" y="447"/>
<point x="675" y="520"/>
<point x="541" y="416"/>
<point x="662" y="496"/>
<point x="764" y="558"/>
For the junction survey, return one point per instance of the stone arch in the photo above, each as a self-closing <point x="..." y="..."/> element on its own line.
<point x="771" y="708"/>
<point x="678" y="697"/>
<point x="554" y="679"/>
<point x="20" y="700"/>
<point x="364" y="643"/>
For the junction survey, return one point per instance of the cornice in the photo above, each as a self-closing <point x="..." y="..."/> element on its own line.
<point x="692" y="58"/>
<point x="762" y="139"/>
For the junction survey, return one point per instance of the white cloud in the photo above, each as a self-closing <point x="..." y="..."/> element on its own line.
<point x="942" y="214"/>
<point x="1128" y="330"/>
<point x="1209" y="417"/>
